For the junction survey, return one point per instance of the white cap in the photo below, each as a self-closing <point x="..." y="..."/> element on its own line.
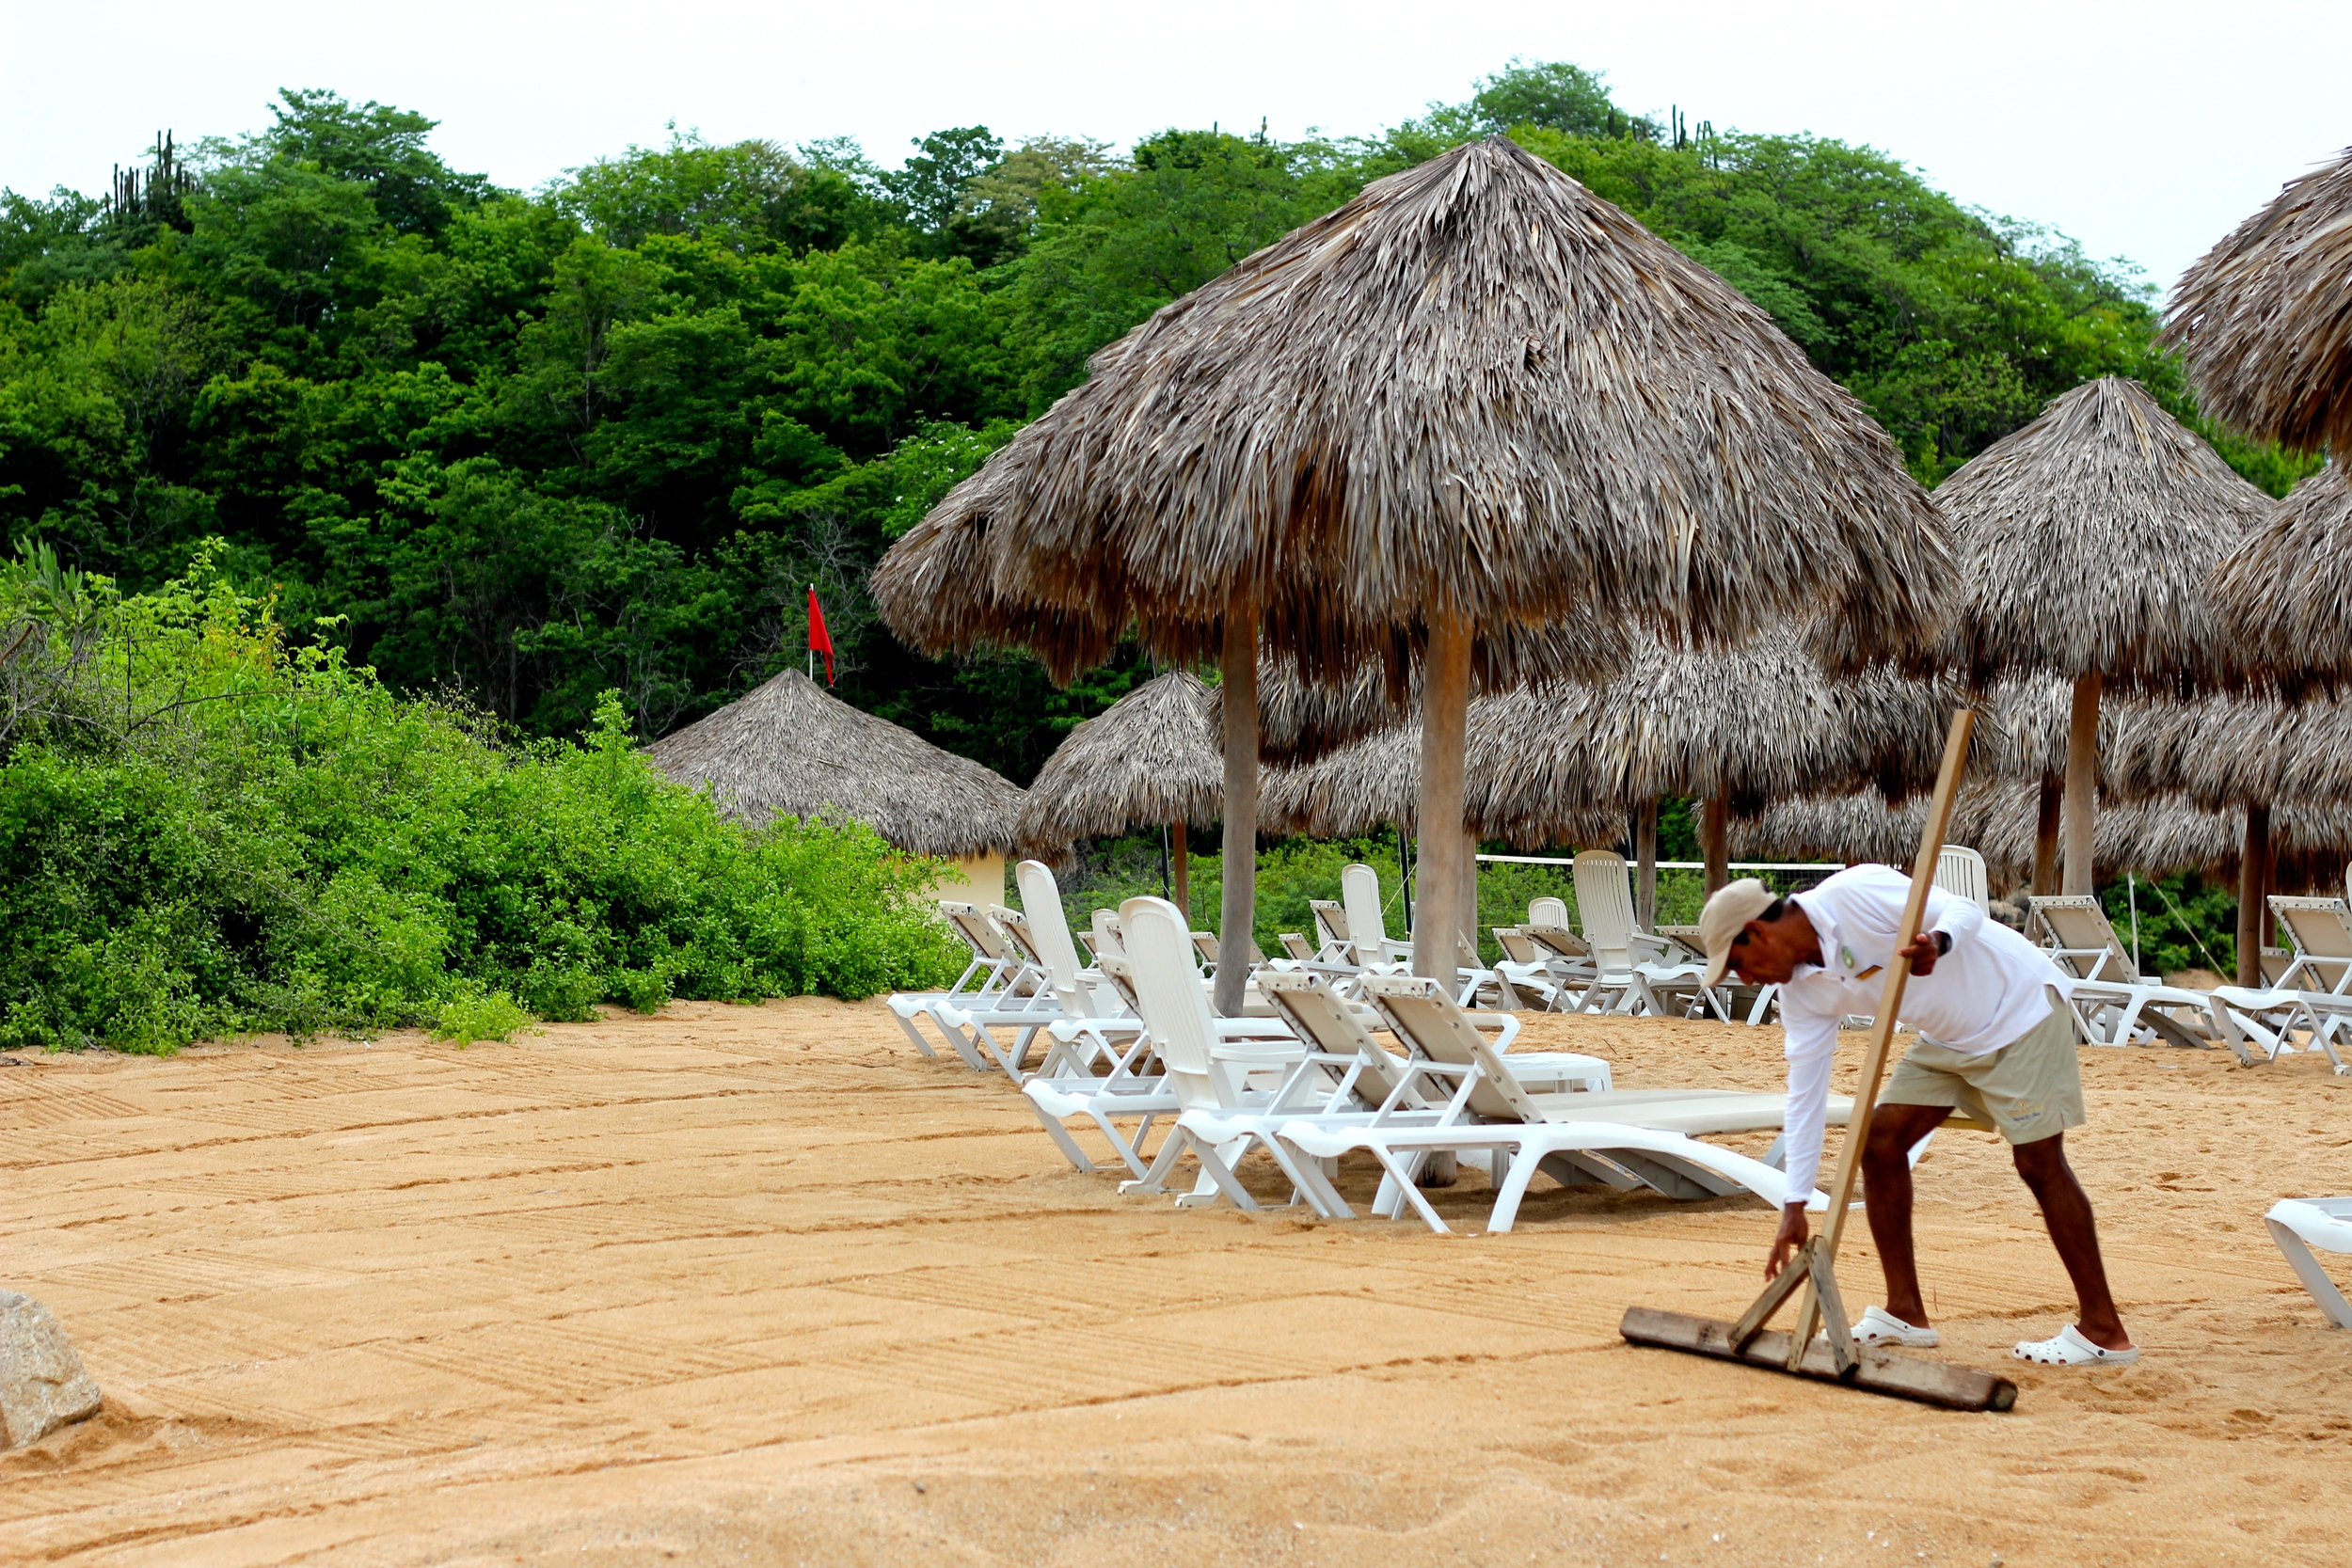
<point x="1726" y="915"/>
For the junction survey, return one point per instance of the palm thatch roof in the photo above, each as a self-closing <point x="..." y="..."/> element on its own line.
<point x="1750" y="724"/>
<point x="1476" y="388"/>
<point x="2264" y="318"/>
<point x="790" y="748"/>
<point x="1301" y="720"/>
<point x="1359" y="787"/>
<point x="1153" y="756"/>
<point x="2224" y="752"/>
<point x="1997" y="818"/>
<point x="2089" y="537"/>
<point x="1561" y="761"/>
<point x="2288" y="580"/>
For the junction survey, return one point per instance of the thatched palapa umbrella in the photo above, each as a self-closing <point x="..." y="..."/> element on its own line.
<point x="1732" y="728"/>
<point x="2261" y="756"/>
<point x="1476" y="416"/>
<point x="790" y="748"/>
<point x="2088" y="537"/>
<point x="2287" y="583"/>
<point x="2263" y="319"/>
<point x="1151" y="757"/>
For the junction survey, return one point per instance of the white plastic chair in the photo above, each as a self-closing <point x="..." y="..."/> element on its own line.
<point x="1960" y="870"/>
<point x="1629" y="979"/>
<point x="2300" y="1223"/>
<point x="1217" y="1069"/>
<point x="1367" y="923"/>
<point x="1638" y="1138"/>
<point x="2114" y="1004"/>
<point x="998" y="969"/>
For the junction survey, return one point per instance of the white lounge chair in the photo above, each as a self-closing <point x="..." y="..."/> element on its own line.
<point x="1525" y="975"/>
<point x="1025" y="1001"/>
<point x="1070" y="992"/>
<point x="1232" y="1083"/>
<point x="1639" y="1138"/>
<point x="2113" y="1002"/>
<point x="1631" y="976"/>
<point x="1333" y="944"/>
<point x="1366" y="922"/>
<point x="2316" y="981"/>
<point x="996" y="967"/>
<point x="2300" y="1223"/>
<point x="1960" y="870"/>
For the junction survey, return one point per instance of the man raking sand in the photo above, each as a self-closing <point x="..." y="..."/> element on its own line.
<point x="1997" y="1043"/>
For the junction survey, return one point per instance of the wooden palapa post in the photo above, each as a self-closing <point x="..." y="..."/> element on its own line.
<point x="2082" y="784"/>
<point x="1646" y="866"/>
<point x="1237" y="912"/>
<point x="1439" y="919"/>
<point x="2253" y="862"/>
<point x="1180" y="860"/>
<point x="1811" y="1276"/>
<point x="2045" y="835"/>
<point x="1715" y="842"/>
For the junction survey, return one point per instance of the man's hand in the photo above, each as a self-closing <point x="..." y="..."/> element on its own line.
<point x="1924" y="950"/>
<point x="1789" y="1240"/>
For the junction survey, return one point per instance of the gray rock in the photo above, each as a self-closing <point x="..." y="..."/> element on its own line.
<point x="42" y="1383"/>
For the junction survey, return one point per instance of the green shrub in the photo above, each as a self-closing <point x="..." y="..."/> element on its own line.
<point x="205" y="830"/>
<point x="474" y="1014"/>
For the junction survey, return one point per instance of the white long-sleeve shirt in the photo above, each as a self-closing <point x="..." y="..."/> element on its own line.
<point x="1987" y="992"/>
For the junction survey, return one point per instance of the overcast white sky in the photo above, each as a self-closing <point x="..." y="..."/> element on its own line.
<point x="2145" y="130"/>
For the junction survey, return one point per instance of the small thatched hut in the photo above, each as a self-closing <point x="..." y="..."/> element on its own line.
<point x="1152" y="757"/>
<point x="2088" y="537"/>
<point x="1476" y="414"/>
<point x="2263" y="319"/>
<point x="790" y="748"/>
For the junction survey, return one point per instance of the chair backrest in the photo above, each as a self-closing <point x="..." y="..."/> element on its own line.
<point x="1324" y="1022"/>
<point x="2322" y="932"/>
<point x="1516" y="945"/>
<point x="1434" y="1025"/>
<point x="2275" y="962"/>
<point x="1360" y="895"/>
<point x="1960" y="871"/>
<point x="1558" y="939"/>
<point x="2087" y="946"/>
<point x="1122" y="980"/>
<point x="1330" y="923"/>
<point x="984" y="939"/>
<point x="1604" y="896"/>
<point x="1049" y="928"/>
<point x="1174" y="1004"/>
<point x="1548" y="911"/>
<point x="1016" y="926"/>
<point x="1106" y="934"/>
<point x="1297" y="946"/>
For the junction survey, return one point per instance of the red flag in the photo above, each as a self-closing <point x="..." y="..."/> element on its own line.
<point x="819" y="639"/>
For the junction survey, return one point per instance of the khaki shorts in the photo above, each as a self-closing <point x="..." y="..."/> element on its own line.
<point x="2030" y="1089"/>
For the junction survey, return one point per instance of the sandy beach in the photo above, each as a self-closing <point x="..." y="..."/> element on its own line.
<point x="760" y="1285"/>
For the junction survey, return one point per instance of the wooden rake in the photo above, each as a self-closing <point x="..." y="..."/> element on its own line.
<point x="1811" y="1276"/>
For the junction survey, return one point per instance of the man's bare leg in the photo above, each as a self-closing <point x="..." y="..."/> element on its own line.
<point x="1886" y="1199"/>
<point x="2066" y="1210"/>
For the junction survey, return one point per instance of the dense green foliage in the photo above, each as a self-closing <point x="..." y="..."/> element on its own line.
<point x="513" y="452"/>
<point x="537" y="447"/>
<point x="206" y="828"/>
